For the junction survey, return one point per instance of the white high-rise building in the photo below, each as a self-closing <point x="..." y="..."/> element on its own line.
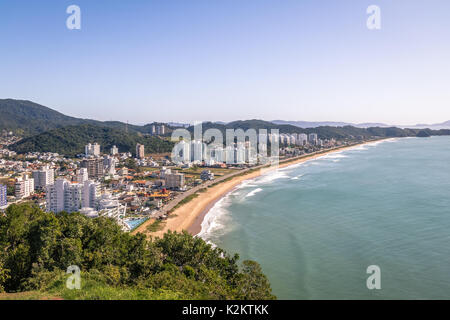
<point x="219" y="154"/>
<point x="114" y="150"/>
<point x="197" y="151"/>
<point x="161" y="130"/>
<point x="92" y="150"/>
<point x="140" y="151"/>
<point x="82" y="175"/>
<point x="184" y="151"/>
<point x="251" y="155"/>
<point x="302" y="139"/>
<point x="55" y="195"/>
<point x="91" y="193"/>
<point x="71" y="197"/>
<point x="214" y="154"/>
<point x="109" y="164"/>
<point x="44" y="177"/>
<point x="24" y="187"/>
<point x="293" y="138"/>
<point x="230" y="155"/>
<point x="240" y="153"/>
<point x="312" y="138"/>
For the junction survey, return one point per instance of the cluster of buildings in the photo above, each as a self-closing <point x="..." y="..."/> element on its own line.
<point x="85" y="197"/>
<point x="198" y="152"/>
<point x="92" y="150"/>
<point x="91" y="185"/>
<point x="300" y="139"/>
<point x="239" y="153"/>
<point x="98" y="184"/>
<point x="7" y="153"/>
<point x="25" y="185"/>
<point x="7" y="138"/>
<point x="158" y="130"/>
<point x="43" y="177"/>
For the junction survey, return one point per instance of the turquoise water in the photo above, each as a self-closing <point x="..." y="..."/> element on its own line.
<point x="317" y="226"/>
<point x="134" y="223"/>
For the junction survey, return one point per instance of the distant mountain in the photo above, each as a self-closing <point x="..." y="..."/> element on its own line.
<point x="371" y="125"/>
<point x="324" y="132"/>
<point x="312" y="124"/>
<point x="178" y="124"/>
<point x="435" y="126"/>
<point x="45" y="130"/>
<point x="71" y="140"/>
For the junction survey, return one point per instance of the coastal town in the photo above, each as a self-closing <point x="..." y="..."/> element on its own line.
<point x="132" y="188"/>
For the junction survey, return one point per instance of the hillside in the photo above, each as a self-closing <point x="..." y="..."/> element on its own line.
<point x="37" y="247"/>
<point x="26" y="118"/>
<point x="71" y="140"/>
<point x="324" y="132"/>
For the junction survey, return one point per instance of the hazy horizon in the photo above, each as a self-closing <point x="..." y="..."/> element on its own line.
<point x="141" y="123"/>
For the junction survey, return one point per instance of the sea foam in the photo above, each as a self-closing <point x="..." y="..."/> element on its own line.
<point x="252" y="193"/>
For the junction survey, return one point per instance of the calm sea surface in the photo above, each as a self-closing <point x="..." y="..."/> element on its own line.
<point x="316" y="227"/>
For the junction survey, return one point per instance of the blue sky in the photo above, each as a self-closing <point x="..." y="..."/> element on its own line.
<point x="222" y="60"/>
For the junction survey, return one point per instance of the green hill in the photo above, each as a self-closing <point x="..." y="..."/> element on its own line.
<point x="72" y="139"/>
<point x="36" y="249"/>
<point x="324" y="132"/>
<point x="26" y="118"/>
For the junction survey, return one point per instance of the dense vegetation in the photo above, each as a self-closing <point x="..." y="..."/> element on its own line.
<point x="36" y="249"/>
<point x="72" y="139"/>
<point x="324" y="132"/>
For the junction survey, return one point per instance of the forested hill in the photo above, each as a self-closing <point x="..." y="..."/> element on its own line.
<point x="71" y="140"/>
<point x="324" y="132"/>
<point x="47" y="130"/>
<point x="26" y="118"/>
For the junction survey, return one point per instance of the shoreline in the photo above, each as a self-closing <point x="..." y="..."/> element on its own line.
<point x="190" y="216"/>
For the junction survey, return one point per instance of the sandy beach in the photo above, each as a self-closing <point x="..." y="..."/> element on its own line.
<point x="189" y="217"/>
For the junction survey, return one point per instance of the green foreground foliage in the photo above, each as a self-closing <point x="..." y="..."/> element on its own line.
<point x="36" y="248"/>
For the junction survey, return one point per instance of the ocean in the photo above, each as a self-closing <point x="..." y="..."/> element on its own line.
<point x="316" y="227"/>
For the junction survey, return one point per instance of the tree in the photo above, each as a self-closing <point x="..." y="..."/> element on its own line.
<point x="253" y="283"/>
<point x="11" y="190"/>
<point x="36" y="247"/>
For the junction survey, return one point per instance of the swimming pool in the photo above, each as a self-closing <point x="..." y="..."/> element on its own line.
<point x="133" y="223"/>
